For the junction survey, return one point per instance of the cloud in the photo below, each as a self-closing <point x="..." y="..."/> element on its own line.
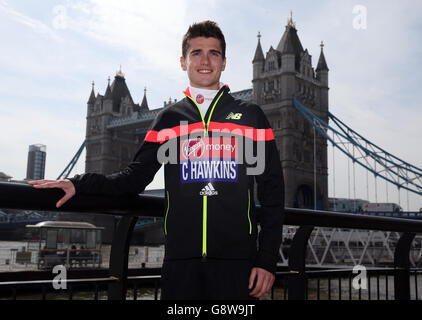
<point x="35" y="25"/>
<point x="149" y="29"/>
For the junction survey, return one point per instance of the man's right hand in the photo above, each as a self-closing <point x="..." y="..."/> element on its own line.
<point x="66" y="185"/>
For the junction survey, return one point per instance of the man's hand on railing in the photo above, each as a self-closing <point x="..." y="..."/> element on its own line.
<point x="66" y="185"/>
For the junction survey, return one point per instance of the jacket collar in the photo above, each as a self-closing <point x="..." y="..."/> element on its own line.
<point x="221" y="95"/>
<point x="189" y="94"/>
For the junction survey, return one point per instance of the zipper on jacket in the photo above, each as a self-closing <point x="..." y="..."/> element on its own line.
<point x="167" y="211"/>
<point x="204" y="228"/>
<point x="249" y="208"/>
<point x="204" y="202"/>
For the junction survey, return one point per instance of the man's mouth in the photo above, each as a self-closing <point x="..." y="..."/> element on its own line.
<point x="204" y="71"/>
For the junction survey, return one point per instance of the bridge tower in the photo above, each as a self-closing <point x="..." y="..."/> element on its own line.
<point x="284" y="73"/>
<point x="108" y="150"/>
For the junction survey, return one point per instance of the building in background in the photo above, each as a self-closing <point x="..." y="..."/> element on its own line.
<point x="35" y="169"/>
<point x="283" y="73"/>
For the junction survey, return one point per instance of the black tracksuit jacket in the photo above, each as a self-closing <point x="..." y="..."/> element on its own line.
<point x="210" y="207"/>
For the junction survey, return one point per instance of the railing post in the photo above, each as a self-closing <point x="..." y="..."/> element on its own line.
<point x="401" y="266"/>
<point x="297" y="280"/>
<point x="119" y="257"/>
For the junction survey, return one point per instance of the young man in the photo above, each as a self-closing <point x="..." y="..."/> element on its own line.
<point x="213" y="147"/>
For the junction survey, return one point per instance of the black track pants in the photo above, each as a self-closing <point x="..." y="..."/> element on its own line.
<point x="212" y="279"/>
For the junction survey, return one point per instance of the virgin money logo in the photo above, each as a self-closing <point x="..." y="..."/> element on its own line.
<point x="228" y="147"/>
<point x="193" y="148"/>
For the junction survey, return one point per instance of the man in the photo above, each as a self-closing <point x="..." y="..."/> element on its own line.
<point x="213" y="147"/>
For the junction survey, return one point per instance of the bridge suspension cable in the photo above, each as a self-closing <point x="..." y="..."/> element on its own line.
<point x="71" y="165"/>
<point x="374" y="159"/>
<point x="334" y="175"/>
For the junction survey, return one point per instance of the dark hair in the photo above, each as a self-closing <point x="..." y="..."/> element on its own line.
<point x="207" y="29"/>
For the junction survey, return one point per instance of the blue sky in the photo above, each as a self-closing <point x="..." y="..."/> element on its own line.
<point x="52" y="50"/>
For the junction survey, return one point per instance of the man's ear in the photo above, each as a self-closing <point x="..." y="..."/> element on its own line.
<point x="183" y="64"/>
<point x="224" y="65"/>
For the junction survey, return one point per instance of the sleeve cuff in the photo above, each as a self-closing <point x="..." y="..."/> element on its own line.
<point x="266" y="261"/>
<point x="75" y="181"/>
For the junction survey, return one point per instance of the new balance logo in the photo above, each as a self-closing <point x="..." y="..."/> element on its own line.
<point x="208" y="190"/>
<point x="234" y="116"/>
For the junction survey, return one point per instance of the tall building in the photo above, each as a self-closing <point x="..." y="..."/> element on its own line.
<point x="35" y="169"/>
<point x="115" y="128"/>
<point x="283" y="73"/>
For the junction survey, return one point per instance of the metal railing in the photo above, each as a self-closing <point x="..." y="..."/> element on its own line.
<point x="296" y="282"/>
<point x="83" y="288"/>
<point x="9" y="289"/>
<point x="337" y="284"/>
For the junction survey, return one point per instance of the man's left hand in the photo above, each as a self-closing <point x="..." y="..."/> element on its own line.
<point x="264" y="282"/>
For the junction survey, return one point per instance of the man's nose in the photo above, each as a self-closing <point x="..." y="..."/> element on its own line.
<point x="205" y="60"/>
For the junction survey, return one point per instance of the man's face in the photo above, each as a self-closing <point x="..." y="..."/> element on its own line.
<point x="204" y="63"/>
